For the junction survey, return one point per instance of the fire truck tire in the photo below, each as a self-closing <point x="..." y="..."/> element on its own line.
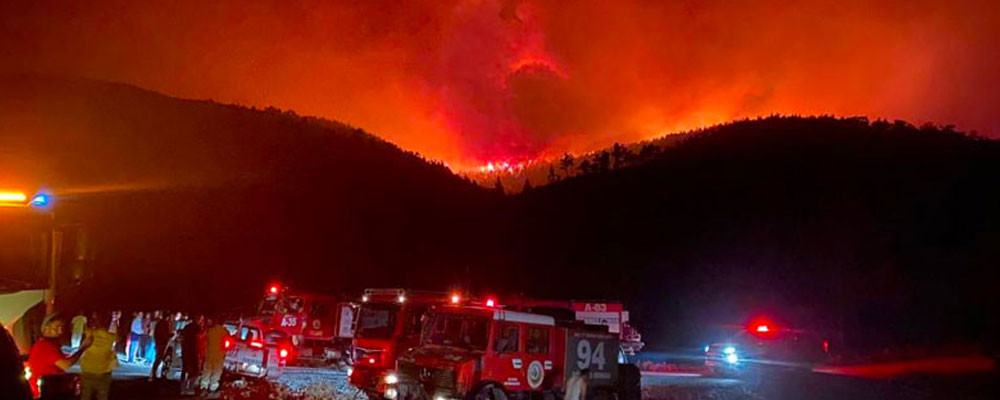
<point x="488" y="391"/>
<point x="603" y="394"/>
<point x="629" y="385"/>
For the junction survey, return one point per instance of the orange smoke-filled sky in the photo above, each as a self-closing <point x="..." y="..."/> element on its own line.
<point x="474" y="81"/>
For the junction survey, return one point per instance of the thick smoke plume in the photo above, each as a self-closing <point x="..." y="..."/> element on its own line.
<point x="484" y="80"/>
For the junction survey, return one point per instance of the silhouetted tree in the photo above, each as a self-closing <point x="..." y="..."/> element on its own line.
<point x="566" y="164"/>
<point x="586" y="167"/>
<point x="552" y="174"/>
<point x="527" y="186"/>
<point x="498" y="186"/>
<point x="603" y="161"/>
<point x="619" y="155"/>
<point x="647" y="152"/>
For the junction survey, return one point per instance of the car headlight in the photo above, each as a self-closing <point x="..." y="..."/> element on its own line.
<point x="391" y="379"/>
<point x="732" y="358"/>
<point x="729" y="350"/>
<point x="391" y="393"/>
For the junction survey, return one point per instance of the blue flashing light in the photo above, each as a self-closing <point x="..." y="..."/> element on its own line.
<point x="729" y="350"/>
<point x="40" y="200"/>
<point x="732" y="358"/>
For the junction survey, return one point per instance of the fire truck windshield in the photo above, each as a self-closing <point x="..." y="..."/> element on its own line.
<point x="465" y="331"/>
<point x="377" y="320"/>
<point x="280" y="305"/>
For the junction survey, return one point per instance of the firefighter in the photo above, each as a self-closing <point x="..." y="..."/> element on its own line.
<point x="215" y="354"/>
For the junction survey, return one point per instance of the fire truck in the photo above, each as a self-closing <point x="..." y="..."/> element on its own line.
<point x="483" y="351"/>
<point x="389" y="322"/>
<point x="319" y="327"/>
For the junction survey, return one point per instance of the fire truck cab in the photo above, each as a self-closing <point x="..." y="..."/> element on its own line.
<point x="389" y="321"/>
<point x="478" y="352"/>
<point x="319" y="327"/>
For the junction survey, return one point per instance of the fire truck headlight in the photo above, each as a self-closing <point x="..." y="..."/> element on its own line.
<point x="732" y="358"/>
<point x="391" y="393"/>
<point x="391" y="379"/>
<point x="350" y="371"/>
<point x="729" y="350"/>
<point x="27" y="374"/>
<point x="440" y="398"/>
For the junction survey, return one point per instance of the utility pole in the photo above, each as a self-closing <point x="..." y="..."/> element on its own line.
<point x="54" y="261"/>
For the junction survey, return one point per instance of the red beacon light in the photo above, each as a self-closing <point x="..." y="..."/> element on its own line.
<point x="455" y="299"/>
<point x="762" y="328"/>
<point x="227" y="343"/>
<point x="274" y="289"/>
<point x="490" y="302"/>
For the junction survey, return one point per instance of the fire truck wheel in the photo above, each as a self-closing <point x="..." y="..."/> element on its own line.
<point x="489" y="391"/>
<point x="604" y="394"/>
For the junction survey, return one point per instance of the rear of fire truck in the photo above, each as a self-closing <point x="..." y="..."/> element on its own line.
<point x="318" y="327"/>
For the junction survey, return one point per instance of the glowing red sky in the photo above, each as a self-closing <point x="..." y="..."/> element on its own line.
<point x="472" y="81"/>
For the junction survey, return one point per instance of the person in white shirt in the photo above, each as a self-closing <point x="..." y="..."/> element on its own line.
<point x="79" y="324"/>
<point x="134" y="337"/>
<point x="576" y="385"/>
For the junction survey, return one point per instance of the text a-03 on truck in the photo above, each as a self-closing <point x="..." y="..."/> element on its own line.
<point x="389" y="321"/>
<point x="486" y="353"/>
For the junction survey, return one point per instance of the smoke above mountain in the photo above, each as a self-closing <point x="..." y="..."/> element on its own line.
<point x="470" y="82"/>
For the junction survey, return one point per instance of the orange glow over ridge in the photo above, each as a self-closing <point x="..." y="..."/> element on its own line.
<point x="471" y="82"/>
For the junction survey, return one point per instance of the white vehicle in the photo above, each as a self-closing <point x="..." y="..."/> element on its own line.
<point x="247" y="354"/>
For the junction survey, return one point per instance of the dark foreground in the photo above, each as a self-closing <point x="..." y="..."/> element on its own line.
<point x="766" y="383"/>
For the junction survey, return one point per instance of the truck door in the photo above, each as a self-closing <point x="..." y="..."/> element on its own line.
<point x="538" y="359"/>
<point x="507" y="366"/>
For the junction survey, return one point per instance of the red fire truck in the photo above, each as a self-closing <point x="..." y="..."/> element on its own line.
<point x="319" y="327"/>
<point x="479" y="352"/>
<point x="389" y="321"/>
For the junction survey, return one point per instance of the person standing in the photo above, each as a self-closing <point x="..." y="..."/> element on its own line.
<point x="79" y="323"/>
<point x="191" y="337"/>
<point x="134" y="337"/>
<point x="98" y="360"/>
<point x="215" y="355"/>
<point x="161" y="335"/>
<point x="45" y="357"/>
<point x="147" y="339"/>
<point x="576" y="385"/>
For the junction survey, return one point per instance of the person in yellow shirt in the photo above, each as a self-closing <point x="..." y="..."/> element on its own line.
<point x="98" y="360"/>
<point x="215" y="355"/>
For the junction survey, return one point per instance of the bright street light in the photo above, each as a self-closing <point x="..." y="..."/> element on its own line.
<point x="12" y="199"/>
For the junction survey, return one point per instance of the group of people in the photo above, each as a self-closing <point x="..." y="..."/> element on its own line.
<point x="97" y="339"/>
<point x="95" y="353"/>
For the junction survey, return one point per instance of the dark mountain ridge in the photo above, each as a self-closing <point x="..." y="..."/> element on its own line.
<point x="884" y="232"/>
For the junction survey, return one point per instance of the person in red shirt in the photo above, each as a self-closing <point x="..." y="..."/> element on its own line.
<point x="46" y="358"/>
